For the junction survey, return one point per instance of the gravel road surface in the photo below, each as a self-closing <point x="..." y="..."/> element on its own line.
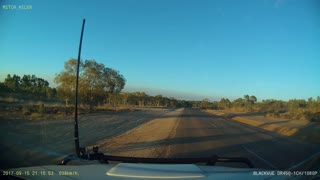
<point x="149" y="133"/>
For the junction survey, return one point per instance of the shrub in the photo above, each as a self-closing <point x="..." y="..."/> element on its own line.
<point x="273" y="114"/>
<point x="26" y="111"/>
<point x="315" y="117"/>
<point x="285" y="115"/>
<point x="35" y="115"/>
<point x="11" y="100"/>
<point x="40" y="109"/>
<point x="307" y="115"/>
<point x="55" y="110"/>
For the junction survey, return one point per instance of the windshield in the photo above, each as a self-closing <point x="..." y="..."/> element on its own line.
<point x="160" y="79"/>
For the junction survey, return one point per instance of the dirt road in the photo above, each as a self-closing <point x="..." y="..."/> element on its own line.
<point x="149" y="133"/>
<point x="45" y="142"/>
<point x="193" y="133"/>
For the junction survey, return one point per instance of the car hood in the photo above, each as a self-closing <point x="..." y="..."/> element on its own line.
<point x="142" y="171"/>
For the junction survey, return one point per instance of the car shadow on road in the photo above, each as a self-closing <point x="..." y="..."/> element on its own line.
<point x="177" y="141"/>
<point x="266" y="154"/>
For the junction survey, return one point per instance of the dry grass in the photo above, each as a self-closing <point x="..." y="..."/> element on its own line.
<point x="26" y="111"/>
<point x="304" y="130"/>
<point x="248" y="121"/>
<point x="9" y="99"/>
<point x="36" y="115"/>
<point x="40" y="109"/>
<point x="115" y="108"/>
<point x="299" y="114"/>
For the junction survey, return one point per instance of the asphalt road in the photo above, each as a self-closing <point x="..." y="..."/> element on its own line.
<point x="200" y="134"/>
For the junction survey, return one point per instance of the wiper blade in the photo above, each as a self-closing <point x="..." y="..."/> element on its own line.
<point x="210" y="161"/>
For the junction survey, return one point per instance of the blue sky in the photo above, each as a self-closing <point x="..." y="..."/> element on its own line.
<point x="181" y="48"/>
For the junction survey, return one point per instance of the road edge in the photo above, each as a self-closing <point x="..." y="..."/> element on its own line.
<point x="291" y="132"/>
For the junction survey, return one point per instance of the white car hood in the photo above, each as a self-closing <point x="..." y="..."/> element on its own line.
<point x="138" y="171"/>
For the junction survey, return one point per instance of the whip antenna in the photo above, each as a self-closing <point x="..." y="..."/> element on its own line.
<point x="76" y="129"/>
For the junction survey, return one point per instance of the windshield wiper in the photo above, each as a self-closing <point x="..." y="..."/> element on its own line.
<point x="210" y="161"/>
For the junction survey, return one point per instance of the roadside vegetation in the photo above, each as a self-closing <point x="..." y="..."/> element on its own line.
<point x="100" y="90"/>
<point x="31" y="97"/>
<point x="295" y="109"/>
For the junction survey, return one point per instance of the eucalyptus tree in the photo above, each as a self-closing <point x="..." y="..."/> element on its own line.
<point x="96" y="82"/>
<point x="253" y="99"/>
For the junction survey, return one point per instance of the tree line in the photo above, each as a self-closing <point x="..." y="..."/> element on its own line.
<point x="100" y="85"/>
<point x="141" y="99"/>
<point x="292" y="109"/>
<point x="28" y="85"/>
